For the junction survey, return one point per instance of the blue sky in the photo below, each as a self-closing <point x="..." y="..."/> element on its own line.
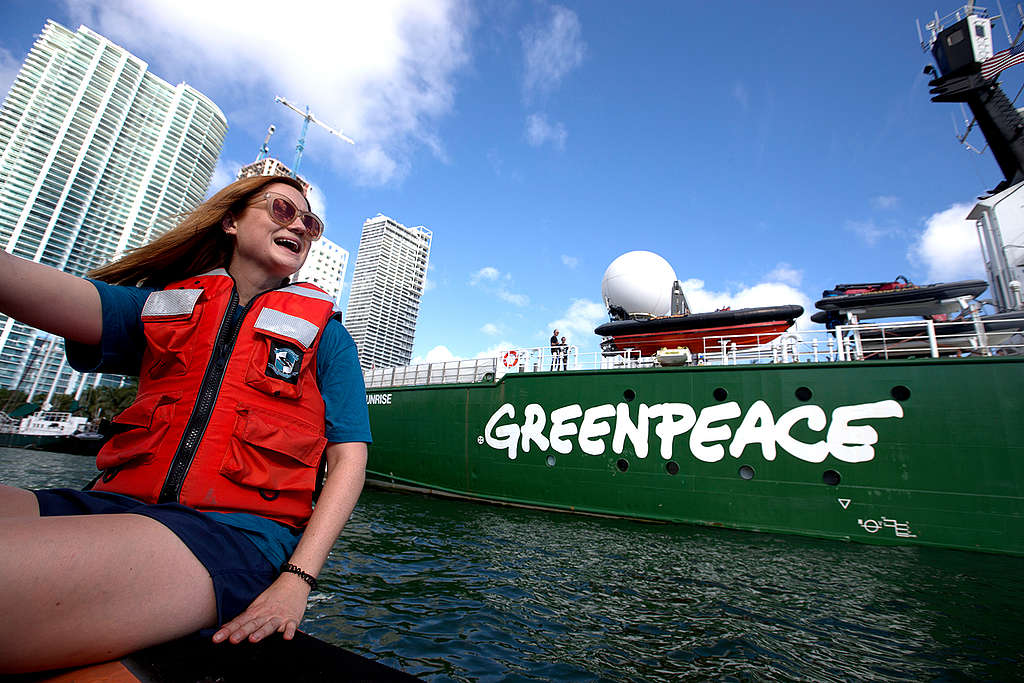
<point x="766" y="150"/>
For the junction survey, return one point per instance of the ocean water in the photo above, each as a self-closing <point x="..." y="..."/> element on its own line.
<point x="457" y="591"/>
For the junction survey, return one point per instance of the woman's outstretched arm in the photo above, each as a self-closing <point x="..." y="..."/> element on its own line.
<point x="281" y="606"/>
<point x="50" y="299"/>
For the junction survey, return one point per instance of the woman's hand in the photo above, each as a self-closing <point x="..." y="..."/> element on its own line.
<point x="279" y="608"/>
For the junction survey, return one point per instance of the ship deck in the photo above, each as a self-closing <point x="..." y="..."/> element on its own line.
<point x="858" y="342"/>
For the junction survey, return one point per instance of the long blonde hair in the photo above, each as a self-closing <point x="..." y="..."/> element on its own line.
<point x="196" y="245"/>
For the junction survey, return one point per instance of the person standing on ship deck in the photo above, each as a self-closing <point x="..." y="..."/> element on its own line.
<point x="554" y="350"/>
<point x="228" y="540"/>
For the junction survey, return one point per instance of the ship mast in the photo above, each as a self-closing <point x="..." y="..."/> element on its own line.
<point x="961" y="45"/>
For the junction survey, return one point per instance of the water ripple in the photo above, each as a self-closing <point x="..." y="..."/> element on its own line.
<point x="453" y="591"/>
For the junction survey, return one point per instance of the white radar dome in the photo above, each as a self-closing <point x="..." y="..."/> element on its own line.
<point x="639" y="282"/>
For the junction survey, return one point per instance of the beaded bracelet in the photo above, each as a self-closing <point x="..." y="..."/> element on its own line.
<point x="292" y="569"/>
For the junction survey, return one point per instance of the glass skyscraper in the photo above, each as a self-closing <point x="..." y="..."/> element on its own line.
<point x="387" y="283"/>
<point x="97" y="156"/>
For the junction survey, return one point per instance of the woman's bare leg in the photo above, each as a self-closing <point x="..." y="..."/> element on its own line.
<point x="90" y="588"/>
<point x="16" y="502"/>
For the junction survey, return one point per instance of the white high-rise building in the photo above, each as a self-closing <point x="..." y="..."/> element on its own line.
<point x="325" y="267"/>
<point x="387" y="283"/>
<point x="97" y="156"/>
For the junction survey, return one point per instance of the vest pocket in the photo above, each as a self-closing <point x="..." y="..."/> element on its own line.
<point x="277" y="366"/>
<point x="169" y="320"/>
<point x="145" y="423"/>
<point x="272" y="452"/>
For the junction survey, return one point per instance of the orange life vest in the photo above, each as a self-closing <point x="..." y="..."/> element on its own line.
<point x="228" y="416"/>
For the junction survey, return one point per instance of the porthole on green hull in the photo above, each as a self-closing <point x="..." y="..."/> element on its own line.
<point x="831" y="477"/>
<point x="672" y="467"/>
<point x="550" y="461"/>
<point x="803" y="394"/>
<point x="900" y="392"/>
<point x="621" y="464"/>
<point x="720" y="394"/>
<point x="629" y="395"/>
<point x="746" y="472"/>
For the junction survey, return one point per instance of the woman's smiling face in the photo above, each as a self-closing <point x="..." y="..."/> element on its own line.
<point x="262" y="246"/>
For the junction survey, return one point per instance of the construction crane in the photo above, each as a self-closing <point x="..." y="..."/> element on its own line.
<point x="265" y="149"/>
<point x="307" y="117"/>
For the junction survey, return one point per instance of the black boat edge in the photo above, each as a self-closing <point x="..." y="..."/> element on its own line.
<point x="197" y="658"/>
<point x="939" y="291"/>
<point x="696" y="321"/>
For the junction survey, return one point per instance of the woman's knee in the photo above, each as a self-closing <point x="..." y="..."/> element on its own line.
<point x="15" y="502"/>
<point x="88" y="588"/>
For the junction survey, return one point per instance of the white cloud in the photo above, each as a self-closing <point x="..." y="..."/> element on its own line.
<point x="428" y="285"/>
<point x="383" y="72"/>
<point x="885" y="201"/>
<point x="490" y="329"/>
<point x="512" y="298"/>
<point x="578" y="322"/>
<point x="785" y="274"/>
<point x="488" y="273"/>
<point x="762" y="294"/>
<point x="948" y="248"/>
<point x="539" y="131"/>
<point x="869" y="231"/>
<point x="570" y="261"/>
<point x="438" y="354"/>
<point x="551" y="50"/>
<point x="224" y="173"/>
<point x="497" y="350"/>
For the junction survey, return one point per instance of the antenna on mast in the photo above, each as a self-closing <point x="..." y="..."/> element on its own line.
<point x="1006" y="27"/>
<point x="265" y="148"/>
<point x="308" y="117"/>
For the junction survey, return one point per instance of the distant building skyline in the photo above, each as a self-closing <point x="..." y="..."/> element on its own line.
<point x="97" y="155"/>
<point x="270" y="166"/>
<point x="387" y="284"/>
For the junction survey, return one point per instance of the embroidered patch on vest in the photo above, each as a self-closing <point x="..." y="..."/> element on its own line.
<point x="285" y="361"/>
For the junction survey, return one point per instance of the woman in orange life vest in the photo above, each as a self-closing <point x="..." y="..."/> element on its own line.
<point x="211" y="481"/>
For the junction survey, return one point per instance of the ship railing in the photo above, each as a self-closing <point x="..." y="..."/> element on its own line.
<point x="871" y="341"/>
<point x="517" y="360"/>
<point x="444" y="372"/>
<point x="804" y="346"/>
<point x="861" y="341"/>
<point x="930" y="338"/>
<point x="542" y="359"/>
<point x="8" y="424"/>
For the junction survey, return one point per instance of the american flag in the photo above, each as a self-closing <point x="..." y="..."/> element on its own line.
<point x="1002" y="60"/>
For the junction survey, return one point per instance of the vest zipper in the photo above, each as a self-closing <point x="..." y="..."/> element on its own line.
<point x="205" y="401"/>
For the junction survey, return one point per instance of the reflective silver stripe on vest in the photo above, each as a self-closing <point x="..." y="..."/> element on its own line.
<point x="165" y="302"/>
<point x="215" y="271"/>
<point x="307" y="292"/>
<point x="286" y="325"/>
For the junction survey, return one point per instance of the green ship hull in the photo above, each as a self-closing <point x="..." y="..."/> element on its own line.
<point x="920" y="451"/>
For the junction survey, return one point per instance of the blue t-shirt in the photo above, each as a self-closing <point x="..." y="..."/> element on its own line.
<point x="339" y="379"/>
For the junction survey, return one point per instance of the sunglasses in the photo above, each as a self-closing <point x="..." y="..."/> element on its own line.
<point x="283" y="212"/>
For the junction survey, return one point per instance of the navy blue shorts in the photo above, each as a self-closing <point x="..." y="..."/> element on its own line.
<point x="240" y="572"/>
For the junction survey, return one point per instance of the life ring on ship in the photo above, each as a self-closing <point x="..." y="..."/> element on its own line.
<point x="510" y="359"/>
